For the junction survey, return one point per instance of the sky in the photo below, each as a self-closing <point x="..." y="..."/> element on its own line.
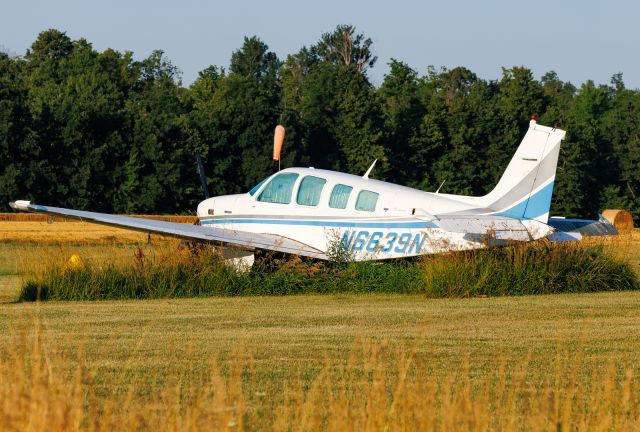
<point x="580" y="40"/>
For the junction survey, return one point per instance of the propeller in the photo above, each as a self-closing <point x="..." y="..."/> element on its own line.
<point x="203" y="177"/>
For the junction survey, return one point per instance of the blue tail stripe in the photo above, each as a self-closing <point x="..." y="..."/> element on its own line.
<point x="535" y="206"/>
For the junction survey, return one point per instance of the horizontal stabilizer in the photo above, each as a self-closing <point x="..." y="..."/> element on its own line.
<point x="576" y="229"/>
<point x="502" y="228"/>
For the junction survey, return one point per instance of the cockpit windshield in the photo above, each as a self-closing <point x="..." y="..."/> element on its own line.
<point x="253" y="191"/>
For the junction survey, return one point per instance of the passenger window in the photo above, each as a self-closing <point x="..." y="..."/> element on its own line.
<point x="310" y="190"/>
<point x="340" y="196"/>
<point x="279" y="189"/>
<point x="367" y="201"/>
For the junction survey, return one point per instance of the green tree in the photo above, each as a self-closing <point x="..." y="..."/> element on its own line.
<point x="51" y="46"/>
<point x="76" y="110"/>
<point x="453" y="136"/>
<point x="20" y="156"/>
<point x="519" y="97"/>
<point x="234" y="116"/>
<point x="332" y="110"/>
<point x="581" y="154"/>
<point x="403" y="113"/>
<point x="157" y="173"/>
<point x="358" y="123"/>
<point x="621" y="127"/>
<point x="345" y="47"/>
<point x="100" y="130"/>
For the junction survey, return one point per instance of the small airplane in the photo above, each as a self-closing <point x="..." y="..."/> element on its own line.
<point x="318" y="213"/>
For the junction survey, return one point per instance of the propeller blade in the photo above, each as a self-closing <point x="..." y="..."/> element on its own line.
<point x="203" y="177"/>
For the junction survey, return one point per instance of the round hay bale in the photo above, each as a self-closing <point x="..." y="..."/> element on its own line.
<point x="621" y="219"/>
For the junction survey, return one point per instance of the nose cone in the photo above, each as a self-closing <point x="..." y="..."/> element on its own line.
<point x="205" y="206"/>
<point x="218" y="206"/>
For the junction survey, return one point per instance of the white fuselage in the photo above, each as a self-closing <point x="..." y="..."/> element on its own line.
<point x="384" y="221"/>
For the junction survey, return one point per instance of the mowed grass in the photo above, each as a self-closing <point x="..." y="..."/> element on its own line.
<point x="557" y="362"/>
<point x="281" y="332"/>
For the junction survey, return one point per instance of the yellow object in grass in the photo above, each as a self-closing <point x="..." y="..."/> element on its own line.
<point x="74" y="263"/>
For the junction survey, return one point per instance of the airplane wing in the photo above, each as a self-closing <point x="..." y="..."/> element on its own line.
<point x="179" y="230"/>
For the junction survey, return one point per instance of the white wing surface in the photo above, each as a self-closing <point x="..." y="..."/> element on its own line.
<point x="184" y="231"/>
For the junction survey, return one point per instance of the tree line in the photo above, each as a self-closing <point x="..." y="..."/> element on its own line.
<point x="105" y="132"/>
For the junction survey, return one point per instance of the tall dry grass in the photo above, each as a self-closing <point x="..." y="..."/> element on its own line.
<point x="166" y="272"/>
<point x="380" y="387"/>
<point x="529" y="268"/>
<point x="625" y="246"/>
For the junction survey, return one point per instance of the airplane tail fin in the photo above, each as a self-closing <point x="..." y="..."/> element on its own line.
<point x="524" y="190"/>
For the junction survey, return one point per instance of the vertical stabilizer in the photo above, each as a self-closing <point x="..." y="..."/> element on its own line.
<point x="524" y="190"/>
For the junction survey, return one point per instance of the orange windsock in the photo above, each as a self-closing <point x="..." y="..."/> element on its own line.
<point x="278" y="139"/>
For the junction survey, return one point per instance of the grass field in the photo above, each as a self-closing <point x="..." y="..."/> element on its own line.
<point x="66" y="233"/>
<point x="333" y="362"/>
<point x="258" y="352"/>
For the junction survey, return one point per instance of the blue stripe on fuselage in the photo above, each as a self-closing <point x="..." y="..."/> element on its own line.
<point x="339" y="224"/>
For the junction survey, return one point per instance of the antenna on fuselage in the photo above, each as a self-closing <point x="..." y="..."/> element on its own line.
<point x="278" y="139"/>
<point x="366" y="175"/>
<point x="441" y="184"/>
<point x="203" y="177"/>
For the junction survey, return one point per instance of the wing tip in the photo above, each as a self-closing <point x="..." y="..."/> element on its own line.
<point x="20" y="205"/>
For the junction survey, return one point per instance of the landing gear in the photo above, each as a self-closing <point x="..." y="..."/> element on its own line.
<point x="239" y="259"/>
